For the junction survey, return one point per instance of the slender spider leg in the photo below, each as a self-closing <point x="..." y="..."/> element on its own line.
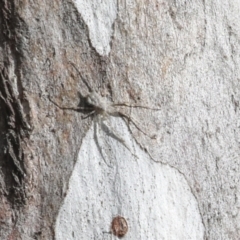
<point x="129" y="119"/>
<point x="110" y="132"/>
<point x="95" y="123"/>
<point x="83" y="79"/>
<point x="88" y="115"/>
<point x="69" y="108"/>
<point x="144" y="148"/>
<point x="133" y="106"/>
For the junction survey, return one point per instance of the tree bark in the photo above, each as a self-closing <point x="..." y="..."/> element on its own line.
<point x="167" y="171"/>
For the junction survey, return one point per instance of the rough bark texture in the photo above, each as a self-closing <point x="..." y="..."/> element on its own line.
<point x="179" y="56"/>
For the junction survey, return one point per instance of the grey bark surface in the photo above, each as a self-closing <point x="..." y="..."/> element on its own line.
<point x="179" y="56"/>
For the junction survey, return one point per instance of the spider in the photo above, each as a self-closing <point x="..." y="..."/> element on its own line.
<point x="101" y="108"/>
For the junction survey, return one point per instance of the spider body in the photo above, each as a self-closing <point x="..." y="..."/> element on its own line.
<point x="98" y="103"/>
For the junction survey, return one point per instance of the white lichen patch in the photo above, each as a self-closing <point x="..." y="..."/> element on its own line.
<point x="155" y="199"/>
<point x="99" y="17"/>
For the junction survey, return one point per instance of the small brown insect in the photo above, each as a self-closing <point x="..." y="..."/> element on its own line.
<point x="119" y="226"/>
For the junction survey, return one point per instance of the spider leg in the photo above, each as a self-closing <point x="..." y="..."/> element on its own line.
<point x="126" y="117"/>
<point x="97" y="142"/>
<point x="91" y="113"/>
<point x="133" y="106"/>
<point x="77" y="109"/>
<point x="110" y="132"/>
<point x="83" y="79"/>
<point x="146" y="150"/>
<point x="129" y="119"/>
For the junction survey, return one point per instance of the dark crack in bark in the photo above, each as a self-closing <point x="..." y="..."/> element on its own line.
<point x="14" y="129"/>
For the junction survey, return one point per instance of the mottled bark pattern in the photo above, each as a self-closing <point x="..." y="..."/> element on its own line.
<point x="14" y="125"/>
<point x="179" y="56"/>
